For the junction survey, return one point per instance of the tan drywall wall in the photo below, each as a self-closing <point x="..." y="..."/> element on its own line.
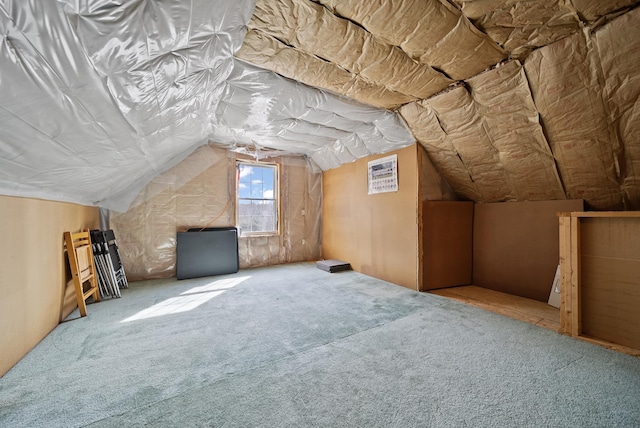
<point x="377" y="234"/>
<point x="516" y="246"/>
<point x="33" y="271"/>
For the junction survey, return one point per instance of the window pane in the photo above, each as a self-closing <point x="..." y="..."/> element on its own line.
<point x="244" y="215"/>
<point x="256" y="182"/>
<point x="265" y="215"/>
<point x="244" y="190"/>
<point x="257" y="216"/>
<point x="256" y="186"/>
<point x="267" y="186"/>
<point x="244" y="180"/>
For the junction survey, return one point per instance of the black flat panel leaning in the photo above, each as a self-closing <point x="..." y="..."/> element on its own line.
<point x="207" y="252"/>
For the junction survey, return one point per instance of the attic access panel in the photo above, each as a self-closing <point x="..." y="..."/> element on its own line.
<point x="207" y="252"/>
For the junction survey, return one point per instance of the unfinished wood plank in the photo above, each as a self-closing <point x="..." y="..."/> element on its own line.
<point x="420" y="273"/>
<point x="549" y="324"/>
<point x="565" y="274"/>
<point x="523" y="309"/>
<point x="606" y="214"/>
<point x="576" y="326"/>
<point x="610" y="345"/>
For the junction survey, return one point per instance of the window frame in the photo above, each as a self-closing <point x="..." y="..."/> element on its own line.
<point x="277" y="197"/>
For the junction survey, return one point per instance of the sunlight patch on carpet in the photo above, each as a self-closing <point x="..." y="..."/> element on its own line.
<point x="187" y="300"/>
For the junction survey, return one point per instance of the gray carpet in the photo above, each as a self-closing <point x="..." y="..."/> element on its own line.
<point x="294" y="346"/>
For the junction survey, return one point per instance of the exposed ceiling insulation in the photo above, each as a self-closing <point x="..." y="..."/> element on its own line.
<point x="562" y="126"/>
<point x="492" y="126"/>
<point x="383" y="61"/>
<point x="260" y="108"/>
<point x="495" y="129"/>
<point x="98" y="97"/>
<point x="513" y="100"/>
<point x="564" y="82"/>
<point x="520" y="26"/>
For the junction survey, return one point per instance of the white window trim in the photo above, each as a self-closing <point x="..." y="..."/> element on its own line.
<point x="276" y="190"/>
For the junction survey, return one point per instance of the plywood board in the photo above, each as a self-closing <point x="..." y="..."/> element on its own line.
<point x="515" y="246"/>
<point x="447" y="234"/>
<point x="33" y="270"/>
<point x="610" y="279"/>
<point x="522" y="309"/>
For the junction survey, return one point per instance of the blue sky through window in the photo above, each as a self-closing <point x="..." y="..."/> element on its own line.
<point x="256" y="182"/>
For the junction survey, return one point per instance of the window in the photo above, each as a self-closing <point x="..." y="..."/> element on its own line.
<point x="257" y="189"/>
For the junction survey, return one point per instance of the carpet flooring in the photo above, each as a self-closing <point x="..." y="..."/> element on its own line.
<point x="294" y="346"/>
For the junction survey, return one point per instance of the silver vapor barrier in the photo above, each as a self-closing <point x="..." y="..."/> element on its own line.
<point x="135" y="87"/>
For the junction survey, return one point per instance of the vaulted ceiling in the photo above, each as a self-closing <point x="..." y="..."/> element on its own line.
<point x="512" y="100"/>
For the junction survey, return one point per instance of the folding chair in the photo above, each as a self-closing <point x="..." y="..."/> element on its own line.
<point x="116" y="262"/>
<point x="106" y="275"/>
<point x="83" y="269"/>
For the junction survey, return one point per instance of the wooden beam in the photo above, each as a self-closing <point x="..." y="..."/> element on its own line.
<point x="576" y="321"/>
<point x="565" y="273"/>
<point x="611" y="345"/>
<point x="607" y="214"/>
